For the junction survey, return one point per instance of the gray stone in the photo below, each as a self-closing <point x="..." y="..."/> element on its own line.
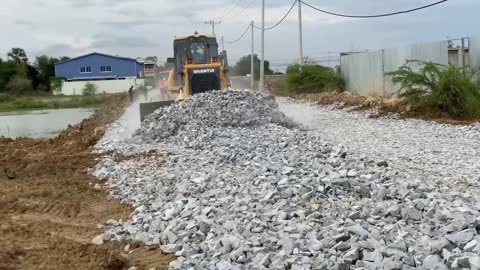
<point x="434" y="262"/>
<point x="474" y="263"/>
<point x="440" y="244"/>
<point x="460" y="239"/>
<point x="372" y="256"/>
<point x="461" y="262"/>
<point x="341" y="237"/>
<point x="393" y="265"/>
<point x="471" y="246"/>
<point x="414" y="214"/>
<point x="354" y="215"/>
<point x="351" y="256"/>
<point x="382" y="163"/>
<point x="358" y="230"/>
<point x="342" y="246"/>
<point x="171" y="248"/>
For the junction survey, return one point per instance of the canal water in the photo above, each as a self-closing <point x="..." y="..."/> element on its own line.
<point x="40" y="124"/>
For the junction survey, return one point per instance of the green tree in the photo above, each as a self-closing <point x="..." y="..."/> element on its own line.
<point x="153" y="59"/>
<point x="19" y="85"/>
<point x="32" y="74"/>
<point x="242" y="66"/>
<point x="46" y="70"/>
<point x="89" y="89"/>
<point x="18" y="55"/>
<point x="8" y="69"/>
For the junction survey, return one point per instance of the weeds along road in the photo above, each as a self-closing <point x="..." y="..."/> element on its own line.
<point x="444" y="155"/>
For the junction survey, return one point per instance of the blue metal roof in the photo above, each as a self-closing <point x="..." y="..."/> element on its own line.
<point x="96" y="53"/>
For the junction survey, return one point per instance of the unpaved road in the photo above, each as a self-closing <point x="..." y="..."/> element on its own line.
<point x="49" y="208"/>
<point x="445" y="155"/>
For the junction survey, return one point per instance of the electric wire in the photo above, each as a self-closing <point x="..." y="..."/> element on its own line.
<point x="246" y="7"/>
<point x="239" y="38"/>
<point x="229" y="10"/>
<point x="372" y="16"/>
<point x="281" y="21"/>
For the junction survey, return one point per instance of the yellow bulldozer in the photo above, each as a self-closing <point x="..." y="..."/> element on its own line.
<point x="198" y="67"/>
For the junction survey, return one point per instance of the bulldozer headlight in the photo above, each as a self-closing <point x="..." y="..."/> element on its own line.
<point x="189" y="61"/>
<point x="214" y="59"/>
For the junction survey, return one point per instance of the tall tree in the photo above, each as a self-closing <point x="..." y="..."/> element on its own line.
<point x="153" y="59"/>
<point x="242" y="67"/>
<point x="46" y="70"/>
<point x="18" y="55"/>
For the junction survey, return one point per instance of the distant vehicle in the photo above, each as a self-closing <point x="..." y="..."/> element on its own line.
<point x="163" y="80"/>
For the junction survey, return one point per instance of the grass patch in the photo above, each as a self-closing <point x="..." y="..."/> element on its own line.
<point x="449" y="89"/>
<point x="11" y="103"/>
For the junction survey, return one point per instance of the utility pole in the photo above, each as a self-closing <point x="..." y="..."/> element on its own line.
<point x="252" y="64"/>
<point x="213" y="23"/>
<point x="262" y="60"/>
<point x="300" y="33"/>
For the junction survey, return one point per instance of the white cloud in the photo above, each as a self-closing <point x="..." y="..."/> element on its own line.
<point x="147" y="27"/>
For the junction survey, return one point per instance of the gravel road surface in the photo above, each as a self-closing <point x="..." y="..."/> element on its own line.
<point x="445" y="155"/>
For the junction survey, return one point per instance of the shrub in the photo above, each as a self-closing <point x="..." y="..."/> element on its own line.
<point x="447" y="88"/>
<point x="4" y="97"/>
<point x="89" y="89"/>
<point x="18" y="85"/>
<point x="313" y="79"/>
<point x="56" y="85"/>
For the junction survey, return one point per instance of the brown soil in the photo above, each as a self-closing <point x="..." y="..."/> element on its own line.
<point x="49" y="210"/>
<point x="384" y="107"/>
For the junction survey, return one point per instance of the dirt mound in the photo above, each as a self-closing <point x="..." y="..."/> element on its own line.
<point x="384" y="107"/>
<point x="50" y="209"/>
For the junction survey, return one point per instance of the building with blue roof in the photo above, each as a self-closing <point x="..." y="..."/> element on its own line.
<point x="109" y="74"/>
<point x="99" y="66"/>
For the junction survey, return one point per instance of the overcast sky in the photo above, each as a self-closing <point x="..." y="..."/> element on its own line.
<point x="138" y="28"/>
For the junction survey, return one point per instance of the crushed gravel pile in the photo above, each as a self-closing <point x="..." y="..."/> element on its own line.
<point x="247" y="189"/>
<point x="213" y="109"/>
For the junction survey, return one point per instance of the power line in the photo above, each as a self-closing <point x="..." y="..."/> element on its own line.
<point x="230" y="10"/>
<point x="239" y="38"/>
<point x="284" y="17"/>
<point x="373" y="16"/>
<point x="247" y="6"/>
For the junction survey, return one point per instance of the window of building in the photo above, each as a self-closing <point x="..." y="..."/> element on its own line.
<point x="106" y="69"/>
<point x="87" y="69"/>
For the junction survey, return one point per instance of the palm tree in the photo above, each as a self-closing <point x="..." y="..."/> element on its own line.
<point x="18" y="55"/>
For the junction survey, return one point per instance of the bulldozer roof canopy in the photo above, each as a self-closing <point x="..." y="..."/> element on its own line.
<point x="195" y="36"/>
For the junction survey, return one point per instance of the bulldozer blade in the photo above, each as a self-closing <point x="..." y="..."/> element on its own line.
<point x="149" y="107"/>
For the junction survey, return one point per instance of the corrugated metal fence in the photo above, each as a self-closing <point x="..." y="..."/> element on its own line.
<point x="364" y="73"/>
<point x="474" y="51"/>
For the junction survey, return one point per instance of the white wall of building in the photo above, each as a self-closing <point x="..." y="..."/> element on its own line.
<point x="106" y="86"/>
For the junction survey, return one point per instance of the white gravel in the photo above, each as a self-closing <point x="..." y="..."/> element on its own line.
<point x="447" y="156"/>
<point x="244" y="188"/>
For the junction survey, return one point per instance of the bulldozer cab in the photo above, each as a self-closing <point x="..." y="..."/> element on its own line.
<point x="198" y="67"/>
